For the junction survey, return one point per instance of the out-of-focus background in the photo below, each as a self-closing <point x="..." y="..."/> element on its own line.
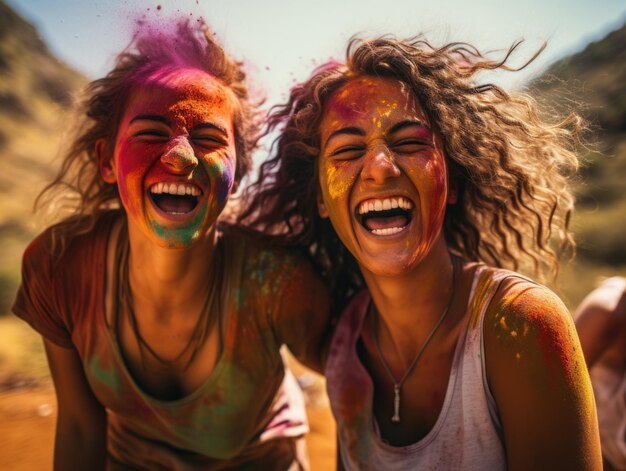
<point x="281" y="42"/>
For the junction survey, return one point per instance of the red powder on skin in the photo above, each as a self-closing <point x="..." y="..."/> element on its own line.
<point x="553" y="344"/>
<point x="553" y="336"/>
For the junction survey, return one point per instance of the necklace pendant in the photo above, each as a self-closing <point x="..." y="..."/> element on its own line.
<point x="396" y="403"/>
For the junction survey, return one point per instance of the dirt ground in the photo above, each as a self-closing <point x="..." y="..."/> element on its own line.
<point x="28" y="414"/>
<point x="28" y="404"/>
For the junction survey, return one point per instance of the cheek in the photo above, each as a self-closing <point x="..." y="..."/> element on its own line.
<point x="439" y="195"/>
<point x="431" y="183"/>
<point x="336" y="179"/>
<point x="430" y="179"/>
<point x="222" y="172"/>
<point x="132" y="166"/>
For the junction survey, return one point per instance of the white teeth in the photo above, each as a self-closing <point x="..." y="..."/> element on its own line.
<point x="175" y="189"/>
<point x="387" y="230"/>
<point x="384" y="204"/>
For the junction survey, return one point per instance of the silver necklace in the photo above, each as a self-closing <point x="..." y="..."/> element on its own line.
<point x="397" y="385"/>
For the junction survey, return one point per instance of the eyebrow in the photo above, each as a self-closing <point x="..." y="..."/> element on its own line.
<point x="151" y="117"/>
<point x="352" y="131"/>
<point x="208" y="125"/>
<point x="408" y="123"/>
<point x="164" y="120"/>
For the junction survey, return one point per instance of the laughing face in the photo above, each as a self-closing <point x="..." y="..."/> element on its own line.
<point x="382" y="175"/>
<point x="174" y="158"/>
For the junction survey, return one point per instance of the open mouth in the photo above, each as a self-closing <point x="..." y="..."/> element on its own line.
<point x="385" y="216"/>
<point x="175" y="198"/>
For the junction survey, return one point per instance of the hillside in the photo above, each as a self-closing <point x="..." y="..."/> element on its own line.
<point x="593" y="83"/>
<point x="35" y="92"/>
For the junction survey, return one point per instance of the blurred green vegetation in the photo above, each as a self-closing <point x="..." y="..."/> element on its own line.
<point x="593" y="83"/>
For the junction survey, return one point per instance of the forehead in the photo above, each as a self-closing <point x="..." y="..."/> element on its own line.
<point x="181" y="94"/>
<point x="371" y="100"/>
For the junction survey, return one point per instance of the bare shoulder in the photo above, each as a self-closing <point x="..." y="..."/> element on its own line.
<point x="608" y="297"/>
<point x="538" y="376"/>
<point x="601" y="322"/>
<point x="526" y="318"/>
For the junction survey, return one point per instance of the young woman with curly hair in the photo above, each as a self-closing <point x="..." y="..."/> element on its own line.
<point x="416" y="190"/>
<point x="161" y="323"/>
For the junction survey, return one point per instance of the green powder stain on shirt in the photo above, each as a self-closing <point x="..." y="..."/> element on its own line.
<point x="110" y="378"/>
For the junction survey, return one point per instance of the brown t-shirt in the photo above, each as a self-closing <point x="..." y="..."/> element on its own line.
<point x="247" y="405"/>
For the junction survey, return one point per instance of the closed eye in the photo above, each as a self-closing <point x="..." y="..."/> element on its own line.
<point x="348" y="152"/>
<point x="209" y="141"/>
<point x="151" y="132"/>
<point x="149" y="127"/>
<point x="151" y="136"/>
<point x="408" y="146"/>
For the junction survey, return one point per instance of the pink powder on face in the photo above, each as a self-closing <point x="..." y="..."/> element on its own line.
<point x="346" y="103"/>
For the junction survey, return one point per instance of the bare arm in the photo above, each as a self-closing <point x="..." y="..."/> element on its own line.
<point x="81" y="424"/>
<point x="537" y="374"/>
<point x="304" y="318"/>
<point x="601" y="318"/>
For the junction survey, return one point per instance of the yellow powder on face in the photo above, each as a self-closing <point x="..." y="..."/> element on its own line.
<point x="339" y="183"/>
<point x="344" y="93"/>
<point x="383" y="111"/>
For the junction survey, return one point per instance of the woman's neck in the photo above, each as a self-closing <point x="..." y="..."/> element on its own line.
<point x="409" y="305"/>
<point x="170" y="279"/>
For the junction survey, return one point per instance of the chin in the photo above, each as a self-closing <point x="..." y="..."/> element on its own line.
<point x="382" y="266"/>
<point x="176" y="238"/>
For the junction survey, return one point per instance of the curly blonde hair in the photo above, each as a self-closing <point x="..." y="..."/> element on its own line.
<point x="78" y="187"/>
<point x="511" y="167"/>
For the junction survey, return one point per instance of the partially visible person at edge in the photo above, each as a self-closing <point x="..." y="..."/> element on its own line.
<point x="416" y="187"/>
<point x="601" y="324"/>
<point x="162" y="325"/>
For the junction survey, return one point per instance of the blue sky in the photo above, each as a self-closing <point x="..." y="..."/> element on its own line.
<point x="281" y="41"/>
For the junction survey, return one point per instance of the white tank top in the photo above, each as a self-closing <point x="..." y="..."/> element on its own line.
<point x="467" y="434"/>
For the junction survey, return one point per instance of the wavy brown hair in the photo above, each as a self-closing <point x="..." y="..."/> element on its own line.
<point x="511" y="166"/>
<point x="78" y="187"/>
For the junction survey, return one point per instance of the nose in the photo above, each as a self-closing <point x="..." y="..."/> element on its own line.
<point x="379" y="165"/>
<point x="180" y="158"/>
